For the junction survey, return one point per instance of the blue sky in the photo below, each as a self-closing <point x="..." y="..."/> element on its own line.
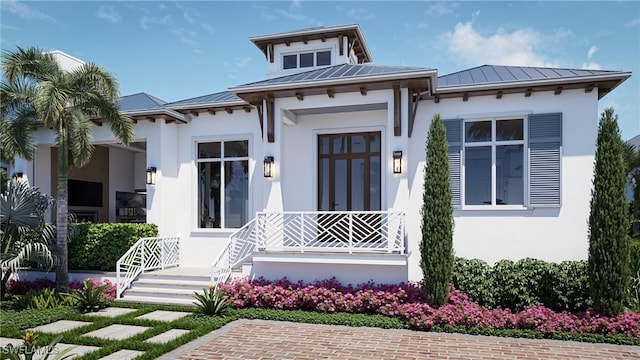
<point x="179" y="50"/>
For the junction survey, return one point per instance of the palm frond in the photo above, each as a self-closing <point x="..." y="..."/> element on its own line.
<point x="51" y="101"/>
<point x="93" y="80"/>
<point x="26" y="252"/>
<point x="31" y="62"/>
<point x="80" y="138"/>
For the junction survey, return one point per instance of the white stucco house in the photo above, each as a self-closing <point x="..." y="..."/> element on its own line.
<point x="317" y="170"/>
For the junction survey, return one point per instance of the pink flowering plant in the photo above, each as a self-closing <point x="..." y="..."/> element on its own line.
<point x="407" y="301"/>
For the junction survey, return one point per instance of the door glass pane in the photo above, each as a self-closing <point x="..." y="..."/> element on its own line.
<point x="509" y="130"/>
<point x="209" y="195"/>
<point x="323" y="188"/>
<point x="209" y="150"/>
<point x="306" y="60"/>
<point x="477" y="131"/>
<point x="323" y="58"/>
<point x="290" y="61"/>
<point x="340" y="180"/>
<point x="236" y="193"/>
<point x="236" y="148"/>
<point x="324" y="144"/>
<point x="375" y="188"/>
<point x="509" y="175"/>
<point x="357" y="185"/>
<point x="340" y="144"/>
<point x="374" y="142"/>
<point x="358" y="144"/>
<point x="477" y="182"/>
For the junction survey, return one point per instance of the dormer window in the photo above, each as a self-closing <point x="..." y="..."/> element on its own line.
<point x="306" y="59"/>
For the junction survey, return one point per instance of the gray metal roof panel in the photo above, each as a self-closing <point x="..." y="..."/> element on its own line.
<point x="494" y="74"/>
<point x="219" y="97"/>
<point x="343" y="71"/>
<point x="140" y="101"/>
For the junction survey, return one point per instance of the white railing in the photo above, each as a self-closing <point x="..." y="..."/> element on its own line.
<point x="329" y="231"/>
<point x="146" y="254"/>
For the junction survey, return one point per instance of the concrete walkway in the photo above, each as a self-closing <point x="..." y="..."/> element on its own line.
<point x="261" y="339"/>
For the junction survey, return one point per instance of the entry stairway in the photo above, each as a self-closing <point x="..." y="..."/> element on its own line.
<point x="174" y="286"/>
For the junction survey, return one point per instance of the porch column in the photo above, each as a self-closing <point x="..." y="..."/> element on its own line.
<point x="397" y="184"/>
<point x="273" y="200"/>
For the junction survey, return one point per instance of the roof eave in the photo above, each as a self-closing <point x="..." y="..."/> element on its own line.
<point x="209" y="105"/>
<point x="168" y="112"/>
<point x="332" y="82"/>
<point x="619" y="76"/>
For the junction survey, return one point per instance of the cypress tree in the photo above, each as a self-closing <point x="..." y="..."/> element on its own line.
<point x="436" y="247"/>
<point x="608" y="264"/>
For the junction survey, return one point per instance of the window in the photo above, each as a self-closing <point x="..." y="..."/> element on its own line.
<point x="495" y="162"/>
<point x="306" y="60"/>
<point x="223" y="184"/>
<point x="494" y="158"/>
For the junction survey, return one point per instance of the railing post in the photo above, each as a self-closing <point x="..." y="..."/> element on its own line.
<point x="350" y="216"/>
<point x="143" y="262"/>
<point x="162" y="253"/>
<point x="302" y="242"/>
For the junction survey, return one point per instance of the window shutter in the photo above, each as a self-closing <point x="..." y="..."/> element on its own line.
<point x="545" y="145"/>
<point x="453" y="128"/>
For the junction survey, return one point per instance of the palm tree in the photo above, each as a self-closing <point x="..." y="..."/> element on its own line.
<point x="24" y="235"/>
<point x="66" y="101"/>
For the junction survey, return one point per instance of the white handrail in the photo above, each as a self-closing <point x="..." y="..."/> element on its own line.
<point x="330" y="231"/>
<point x="146" y="254"/>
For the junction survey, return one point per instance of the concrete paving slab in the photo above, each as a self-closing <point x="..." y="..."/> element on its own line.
<point x="60" y="326"/>
<point x="167" y="336"/>
<point x="117" y="332"/>
<point x="6" y="341"/>
<point x="162" y="315"/>
<point x="78" y="350"/>
<point x="123" y="355"/>
<point x="111" y="312"/>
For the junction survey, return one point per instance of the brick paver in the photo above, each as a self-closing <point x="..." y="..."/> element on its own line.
<point x="260" y="339"/>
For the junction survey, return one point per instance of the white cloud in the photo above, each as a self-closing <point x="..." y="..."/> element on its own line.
<point x="25" y="11"/>
<point x="591" y="64"/>
<point x="187" y="13"/>
<point x="295" y="4"/>
<point x="442" y="8"/>
<point x="632" y="23"/>
<point x="519" y="47"/>
<point x="360" y="14"/>
<point x="109" y="13"/>
<point x="241" y="62"/>
<point x="208" y="28"/>
<point x="145" y="20"/>
<point x="271" y="14"/>
<point x="592" y="50"/>
<point x="419" y="26"/>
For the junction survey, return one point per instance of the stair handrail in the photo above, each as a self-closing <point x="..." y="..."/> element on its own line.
<point x="240" y="245"/>
<point x="146" y="254"/>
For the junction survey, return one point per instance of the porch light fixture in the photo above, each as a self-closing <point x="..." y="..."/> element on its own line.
<point x="17" y="175"/>
<point x="150" y="179"/>
<point x="268" y="166"/>
<point x="397" y="162"/>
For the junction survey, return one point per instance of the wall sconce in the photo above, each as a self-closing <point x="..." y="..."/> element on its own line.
<point x="397" y="162"/>
<point x="17" y="175"/>
<point x="268" y="166"/>
<point x="150" y="179"/>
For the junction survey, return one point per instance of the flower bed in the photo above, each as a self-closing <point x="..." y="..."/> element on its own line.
<point x="407" y="301"/>
<point x="21" y="287"/>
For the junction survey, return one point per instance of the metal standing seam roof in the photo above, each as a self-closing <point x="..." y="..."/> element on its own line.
<point x="494" y="74"/>
<point x="343" y="71"/>
<point x="139" y="102"/>
<point x="223" y="97"/>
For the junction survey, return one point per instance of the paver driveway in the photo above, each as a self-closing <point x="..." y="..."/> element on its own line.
<point x="261" y="339"/>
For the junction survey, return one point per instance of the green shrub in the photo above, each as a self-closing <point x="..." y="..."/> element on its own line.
<point x="42" y="299"/>
<point x="99" y="246"/>
<point x="89" y="298"/>
<point x="516" y="285"/>
<point x="211" y="302"/>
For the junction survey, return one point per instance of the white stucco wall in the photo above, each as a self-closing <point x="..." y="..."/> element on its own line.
<point x="121" y="175"/>
<point x="551" y="234"/>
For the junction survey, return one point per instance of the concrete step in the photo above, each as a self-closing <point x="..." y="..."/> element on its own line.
<point x="157" y="300"/>
<point x="171" y="283"/>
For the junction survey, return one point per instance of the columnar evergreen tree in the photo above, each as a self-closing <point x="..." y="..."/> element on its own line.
<point x="608" y="265"/>
<point x="436" y="247"/>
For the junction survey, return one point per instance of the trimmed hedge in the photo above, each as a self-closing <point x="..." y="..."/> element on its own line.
<point x="99" y="246"/>
<point x="516" y="285"/>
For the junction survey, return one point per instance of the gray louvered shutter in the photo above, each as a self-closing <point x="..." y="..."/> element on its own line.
<point x="453" y="127"/>
<point x="545" y="145"/>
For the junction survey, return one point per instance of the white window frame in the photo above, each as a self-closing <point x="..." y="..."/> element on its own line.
<point x="315" y="58"/>
<point x="221" y="160"/>
<point x="493" y="143"/>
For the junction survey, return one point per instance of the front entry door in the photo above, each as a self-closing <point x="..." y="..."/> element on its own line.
<point x="349" y="172"/>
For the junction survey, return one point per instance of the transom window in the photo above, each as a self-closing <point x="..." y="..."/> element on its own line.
<point x="306" y="59"/>
<point x="494" y="162"/>
<point x="223" y="183"/>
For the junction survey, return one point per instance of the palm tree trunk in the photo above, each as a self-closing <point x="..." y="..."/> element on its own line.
<point x="62" y="211"/>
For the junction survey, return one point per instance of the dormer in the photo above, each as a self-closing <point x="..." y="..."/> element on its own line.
<point x="308" y="49"/>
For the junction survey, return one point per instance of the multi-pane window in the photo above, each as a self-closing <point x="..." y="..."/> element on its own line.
<point x="223" y="184"/>
<point x="494" y="162"/>
<point x="307" y="59"/>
